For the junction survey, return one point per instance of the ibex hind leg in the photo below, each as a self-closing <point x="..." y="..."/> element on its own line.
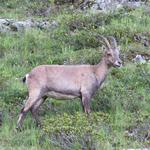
<point x="20" y="119"/>
<point x="34" y="110"/>
<point x="33" y="98"/>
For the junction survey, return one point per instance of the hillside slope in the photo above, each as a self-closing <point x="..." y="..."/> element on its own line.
<point x="63" y="34"/>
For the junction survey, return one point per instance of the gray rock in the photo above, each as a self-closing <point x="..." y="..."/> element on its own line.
<point x="43" y="25"/>
<point x="54" y="24"/>
<point x="8" y="25"/>
<point x="5" y="25"/>
<point x="111" y="5"/>
<point x="17" y="26"/>
<point x="47" y="25"/>
<point x="4" y="21"/>
<point x="4" y="28"/>
<point x="140" y="132"/>
<point x="21" y="25"/>
<point x="139" y="59"/>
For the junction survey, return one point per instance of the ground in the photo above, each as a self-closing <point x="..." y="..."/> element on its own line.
<point x="120" y="110"/>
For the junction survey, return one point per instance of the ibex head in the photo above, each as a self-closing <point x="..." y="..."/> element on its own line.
<point x="111" y="51"/>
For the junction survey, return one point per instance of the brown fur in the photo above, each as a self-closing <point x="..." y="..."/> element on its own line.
<point x="68" y="81"/>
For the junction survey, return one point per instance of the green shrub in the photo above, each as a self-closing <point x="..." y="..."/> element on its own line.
<point x="67" y="131"/>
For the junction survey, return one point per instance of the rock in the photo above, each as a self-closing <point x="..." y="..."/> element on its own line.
<point x="54" y="24"/>
<point x="139" y="59"/>
<point x="47" y="25"/>
<point x="21" y="25"/>
<point x="17" y="26"/>
<point x="4" y="28"/>
<point x="104" y="5"/>
<point x="43" y="25"/>
<point x="8" y="25"/>
<point x="142" y="38"/>
<point x="140" y="132"/>
<point x="4" y="25"/>
<point x="111" y="5"/>
<point x="4" y="22"/>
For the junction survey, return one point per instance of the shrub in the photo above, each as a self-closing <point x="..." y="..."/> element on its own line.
<point x="66" y="131"/>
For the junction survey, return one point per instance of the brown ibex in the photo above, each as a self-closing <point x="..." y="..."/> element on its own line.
<point x="68" y="81"/>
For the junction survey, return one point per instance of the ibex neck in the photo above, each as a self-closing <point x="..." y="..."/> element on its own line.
<point x="101" y="71"/>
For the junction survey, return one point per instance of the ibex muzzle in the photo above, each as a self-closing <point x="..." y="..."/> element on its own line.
<point x="68" y="81"/>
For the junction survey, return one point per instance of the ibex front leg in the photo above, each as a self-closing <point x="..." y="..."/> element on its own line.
<point x="86" y="102"/>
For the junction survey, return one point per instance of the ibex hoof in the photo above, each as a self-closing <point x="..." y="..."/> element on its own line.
<point x="39" y="125"/>
<point x="18" y="128"/>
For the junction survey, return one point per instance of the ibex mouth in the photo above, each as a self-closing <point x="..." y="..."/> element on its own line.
<point x="118" y="64"/>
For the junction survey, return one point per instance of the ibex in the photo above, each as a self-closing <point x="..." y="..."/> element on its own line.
<point x="68" y="81"/>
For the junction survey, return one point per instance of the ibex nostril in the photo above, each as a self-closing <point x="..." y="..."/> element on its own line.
<point x="119" y="62"/>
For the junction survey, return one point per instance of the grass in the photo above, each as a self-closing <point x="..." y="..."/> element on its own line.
<point x="12" y="140"/>
<point x="121" y="105"/>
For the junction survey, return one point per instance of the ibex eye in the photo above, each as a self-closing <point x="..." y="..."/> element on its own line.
<point x="109" y="54"/>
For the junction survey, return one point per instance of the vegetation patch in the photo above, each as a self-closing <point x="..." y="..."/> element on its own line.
<point x="68" y="131"/>
<point x="120" y="109"/>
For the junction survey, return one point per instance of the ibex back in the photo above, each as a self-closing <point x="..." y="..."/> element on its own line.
<point x="68" y="81"/>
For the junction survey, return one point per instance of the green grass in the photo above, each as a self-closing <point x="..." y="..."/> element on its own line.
<point x="122" y="104"/>
<point x="12" y="140"/>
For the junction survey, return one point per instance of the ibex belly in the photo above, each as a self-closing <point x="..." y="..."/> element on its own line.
<point x="58" y="95"/>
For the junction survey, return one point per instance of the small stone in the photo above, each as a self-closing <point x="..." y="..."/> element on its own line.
<point x="139" y="59"/>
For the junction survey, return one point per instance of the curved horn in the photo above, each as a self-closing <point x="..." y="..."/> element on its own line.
<point x="105" y="40"/>
<point x="112" y="41"/>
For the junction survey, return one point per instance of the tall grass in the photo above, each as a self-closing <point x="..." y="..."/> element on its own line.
<point x="124" y="98"/>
